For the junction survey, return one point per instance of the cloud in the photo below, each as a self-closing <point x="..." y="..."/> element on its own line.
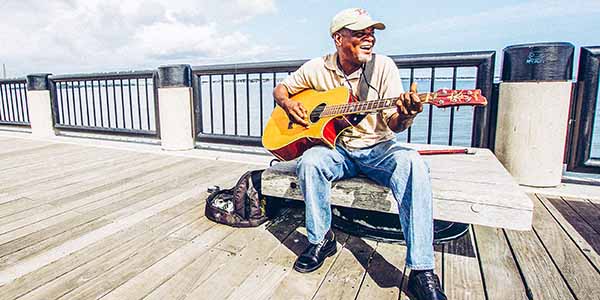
<point x="98" y="35"/>
<point x="523" y="12"/>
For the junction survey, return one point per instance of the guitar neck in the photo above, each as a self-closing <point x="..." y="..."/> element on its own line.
<point x="369" y="106"/>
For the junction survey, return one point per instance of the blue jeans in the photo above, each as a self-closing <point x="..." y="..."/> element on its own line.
<point x="387" y="163"/>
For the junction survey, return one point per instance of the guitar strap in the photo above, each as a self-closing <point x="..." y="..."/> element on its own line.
<point x="363" y="89"/>
<point x="364" y="81"/>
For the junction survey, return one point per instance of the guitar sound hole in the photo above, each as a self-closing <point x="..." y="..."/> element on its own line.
<point x="315" y="115"/>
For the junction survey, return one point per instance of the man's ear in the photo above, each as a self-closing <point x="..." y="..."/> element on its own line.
<point x="337" y="38"/>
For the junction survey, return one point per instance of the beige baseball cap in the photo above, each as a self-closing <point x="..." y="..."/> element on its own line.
<point x="353" y="19"/>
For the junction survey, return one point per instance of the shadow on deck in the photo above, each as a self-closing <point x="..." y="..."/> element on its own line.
<point x="85" y="222"/>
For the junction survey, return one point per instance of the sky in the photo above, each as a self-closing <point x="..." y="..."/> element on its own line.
<point x="85" y="36"/>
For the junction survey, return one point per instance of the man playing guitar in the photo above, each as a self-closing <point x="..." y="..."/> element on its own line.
<point x="369" y="148"/>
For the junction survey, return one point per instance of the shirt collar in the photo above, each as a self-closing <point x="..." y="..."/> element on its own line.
<point x="331" y="64"/>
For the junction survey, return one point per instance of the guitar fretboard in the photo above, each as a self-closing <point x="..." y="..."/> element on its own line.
<point x="367" y="106"/>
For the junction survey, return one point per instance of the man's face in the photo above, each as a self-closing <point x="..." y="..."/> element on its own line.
<point x="357" y="45"/>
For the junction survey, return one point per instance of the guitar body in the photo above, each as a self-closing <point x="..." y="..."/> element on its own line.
<point x="289" y="143"/>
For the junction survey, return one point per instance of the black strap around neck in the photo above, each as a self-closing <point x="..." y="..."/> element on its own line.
<point x="365" y="79"/>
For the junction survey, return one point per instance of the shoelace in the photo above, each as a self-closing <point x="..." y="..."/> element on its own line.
<point x="429" y="280"/>
<point x="320" y="245"/>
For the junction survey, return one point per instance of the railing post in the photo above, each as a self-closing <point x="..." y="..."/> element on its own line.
<point x="175" y="107"/>
<point x="483" y="117"/>
<point x="40" y="105"/>
<point x="533" y="111"/>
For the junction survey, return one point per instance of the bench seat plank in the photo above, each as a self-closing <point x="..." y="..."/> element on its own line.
<point x="467" y="188"/>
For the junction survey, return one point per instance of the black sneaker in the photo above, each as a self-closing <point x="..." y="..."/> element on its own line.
<point x="313" y="257"/>
<point x="425" y="285"/>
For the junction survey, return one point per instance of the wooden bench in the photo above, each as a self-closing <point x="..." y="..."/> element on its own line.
<point x="467" y="188"/>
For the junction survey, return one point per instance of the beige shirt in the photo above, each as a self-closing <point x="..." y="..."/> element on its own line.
<point x="323" y="74"/>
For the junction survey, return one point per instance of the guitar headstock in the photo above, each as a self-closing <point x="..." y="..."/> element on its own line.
<point x="447" y="97"/>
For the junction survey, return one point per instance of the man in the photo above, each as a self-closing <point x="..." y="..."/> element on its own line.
<point x="369" y="148"/>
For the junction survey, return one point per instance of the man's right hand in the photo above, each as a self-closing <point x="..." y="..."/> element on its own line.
<point x="296" y="111"/>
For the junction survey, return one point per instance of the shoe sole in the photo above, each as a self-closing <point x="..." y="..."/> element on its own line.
<point x="330" y="253"/>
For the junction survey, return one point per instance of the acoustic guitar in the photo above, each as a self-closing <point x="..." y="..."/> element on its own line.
<point x="333" y="111"/>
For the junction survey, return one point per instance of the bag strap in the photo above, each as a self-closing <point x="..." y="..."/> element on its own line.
<point x="363" y="85"/>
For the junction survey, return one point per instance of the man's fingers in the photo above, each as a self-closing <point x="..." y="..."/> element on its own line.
<point x="415" y="98"/>
<point x="413" y="87"/>
<point x="298" y="111"/>
<point x="298" y="116"/>
<point x="416" y="103"/>
<point x="299" y="120"/>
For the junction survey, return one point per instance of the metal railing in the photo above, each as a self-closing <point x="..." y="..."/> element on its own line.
<point x="117" y="103"/>
<point x="233" y="102"/>
<point x="14" y="109"/>
<point x="579" y="149"/>
<point x="240" y="118"/>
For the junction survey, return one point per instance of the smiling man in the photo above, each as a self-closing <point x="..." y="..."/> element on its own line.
<point x="368" y="148"/>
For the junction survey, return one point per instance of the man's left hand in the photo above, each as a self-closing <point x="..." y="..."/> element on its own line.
<point x="409" y="104"/>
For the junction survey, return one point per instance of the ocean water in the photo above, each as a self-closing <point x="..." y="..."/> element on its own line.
<point x="239" y="110"/>
<point x="246" y="113"/>
<point x="251" y="113"/>
<point x="102" y="104"/>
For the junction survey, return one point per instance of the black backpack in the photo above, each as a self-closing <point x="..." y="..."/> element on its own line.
<point x="240" y="206"/>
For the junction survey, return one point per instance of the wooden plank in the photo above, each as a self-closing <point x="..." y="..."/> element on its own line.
<point x="385" y="273"/>
<point x="580" y="275"/>
<point x="34" y="157"/>
<point x="51" y="162"/>
<point x="32" y="223"/>
<point x="71" y="271"/>
<point x="60" y="200"/>
<point x="151" y="278"/>
<point x="57" y="206"/>
<point x="186" y="279"/>
<point x="18" y="149"/>
<point x="71" y="173"/>
<point x="302" y="286"/>
<point x="10" y="144"/>
<point x="73" y="187"/>
<point x="133" y="271"/>
<point x="595" y="201"/>
<point x="198" y="271"/>
<point x="344" y="279"/>
<point x="48" y="180"/>
<point x="498" y="265"/>
<point x="588" y="211"/>
<point x="462" y="279"/>
<point x="264" y="280"/>
<point x="94" y="217"/>
<point x="586" y="238"/>
<point x="542" y="278"/>
<point x="222" y="283"/>
<point x="115" y="277"/>
<point x="260" y="282"/>
<point x="10" y="207"/>
<point x="51" y="168"/>
<point x="156" y="276"/>
<point x="150" y="197"/>
<point x="29" y="265"/>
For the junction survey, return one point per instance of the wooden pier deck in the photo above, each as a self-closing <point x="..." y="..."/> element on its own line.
<point x="87" y="222"/>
